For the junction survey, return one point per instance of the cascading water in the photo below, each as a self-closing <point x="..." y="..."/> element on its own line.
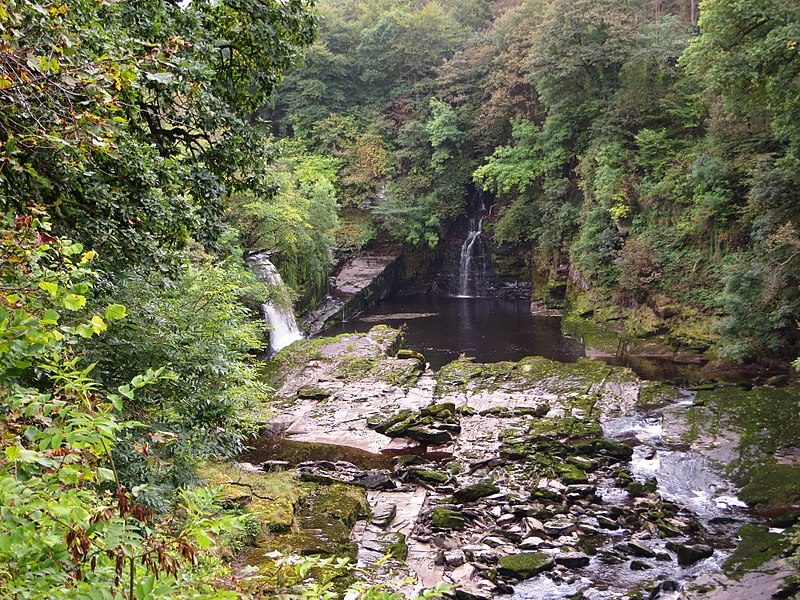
<point x="283" y="326"/>
<point x="473" y="265"/>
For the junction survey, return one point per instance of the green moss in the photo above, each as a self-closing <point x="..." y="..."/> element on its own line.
<point x="429" y="475"/>
<point x="657" y="393"/>
<point x="393" y="543"/>
<point x="765" y="420"/>
<point x="593" y="335"/>
<point x="570" y="474"/>
<point x="772" y="485"/>
<point x="758" y="546"/>
<point x="444" y="518"/>
<point x="525" y="565"/>
<point x="474" y="492"/>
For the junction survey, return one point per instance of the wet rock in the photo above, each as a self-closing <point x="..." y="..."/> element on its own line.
<point x="506" y="520"/>
<point x="572" y="560"/>
<point x="387" y="543"/>
<point x="636" y="548"/>
<point x="611" y="558"/>
<point x="444" y="518"/>
<point x="487" y="463"/>
<point x="576" y="492"/>
<point x="559" y="527"/>
<point x="664" y="586"/>
<point x="494" y="542"/>
<point x="606" y="448"/>
<point x="383" y="516"/>
<point x="688" y="555"/>
<point x="640" y="565"/>
<point x="524" y="565"/>
<point x="375" y="480"/>
<point x="481" y="554"/>
<point x="474" y="492"/>
<point x="454" y="558"/>
<point x="470" y="592"/>
<point x="531" y="543"/>
<point x="514" y="534"/>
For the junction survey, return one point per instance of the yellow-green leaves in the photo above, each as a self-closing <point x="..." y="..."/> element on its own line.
<point x="115" y="312"/>
<point x="73" y="302"/>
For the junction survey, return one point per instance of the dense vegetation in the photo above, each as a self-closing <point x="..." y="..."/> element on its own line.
<point x="657" y="153"/>
<point x="144" y="150"/>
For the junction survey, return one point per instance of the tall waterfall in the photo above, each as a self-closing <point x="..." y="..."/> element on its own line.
<point x="474" y="259"/>
<point x="283" y="326"/>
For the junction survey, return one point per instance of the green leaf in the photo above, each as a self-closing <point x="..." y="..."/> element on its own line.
<point x="50" y="317"/>
<point x="114" y="312"/>
<point x="74" y="302"/>
<point x="49" y="287"/>
<point x="105" y="475"/>
<point x="84" y="330"/>
<point x="98" y="325"/>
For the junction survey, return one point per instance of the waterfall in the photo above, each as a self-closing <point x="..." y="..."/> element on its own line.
<point x="283" y="326"/>
<point x="473" y="260"/>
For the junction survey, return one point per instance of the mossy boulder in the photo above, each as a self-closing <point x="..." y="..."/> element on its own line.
<point x="382" y="424"/>
<point x="524" y="565"/>
<point x="429" y="475"/>
<point x="474" y="492"/>
<point x="445" y="518"/>
<point x="604" y="448"/>
<point x="570" y="474"/>
<point x="546" y="495"/>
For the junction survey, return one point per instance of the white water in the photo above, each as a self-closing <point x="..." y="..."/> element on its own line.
<point x="472" y="248"/>
<point x="283" y="326"/>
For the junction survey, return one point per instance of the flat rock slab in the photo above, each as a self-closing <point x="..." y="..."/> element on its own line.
<point x="358" y="273"/>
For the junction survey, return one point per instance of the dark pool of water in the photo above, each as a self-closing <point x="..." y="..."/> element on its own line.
<point x="488" y="329"/>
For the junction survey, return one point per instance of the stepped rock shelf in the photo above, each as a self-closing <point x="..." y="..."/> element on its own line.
<point x="529" y="479"/>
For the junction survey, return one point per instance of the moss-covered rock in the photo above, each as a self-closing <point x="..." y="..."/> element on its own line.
<point x="570" y="474"/>
<point x="476" y="491"/>
<point x="772" y="485"/>
<point x="429" y="475"/>
<point x="758" y="546"/>
<point x="445" y="518"/>
<point x="524" y="565"/>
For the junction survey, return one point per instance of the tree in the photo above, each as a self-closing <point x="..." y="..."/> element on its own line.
<point x="129" y="122"/>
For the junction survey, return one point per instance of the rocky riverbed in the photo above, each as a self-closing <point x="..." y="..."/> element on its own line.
<point x="532" y="479"/>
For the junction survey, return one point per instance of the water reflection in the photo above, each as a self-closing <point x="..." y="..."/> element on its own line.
<point x="488" y="329"/>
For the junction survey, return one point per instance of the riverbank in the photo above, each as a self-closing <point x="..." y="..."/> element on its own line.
<point x="535" y="477"/>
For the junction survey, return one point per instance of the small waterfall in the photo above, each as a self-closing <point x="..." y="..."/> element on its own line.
<point x="283" y="327"/>
<point x="473" y="263"/>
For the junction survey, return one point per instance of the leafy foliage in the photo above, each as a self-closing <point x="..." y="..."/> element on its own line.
<point x="129" y="122"/>
<point x="70" y="527"/>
